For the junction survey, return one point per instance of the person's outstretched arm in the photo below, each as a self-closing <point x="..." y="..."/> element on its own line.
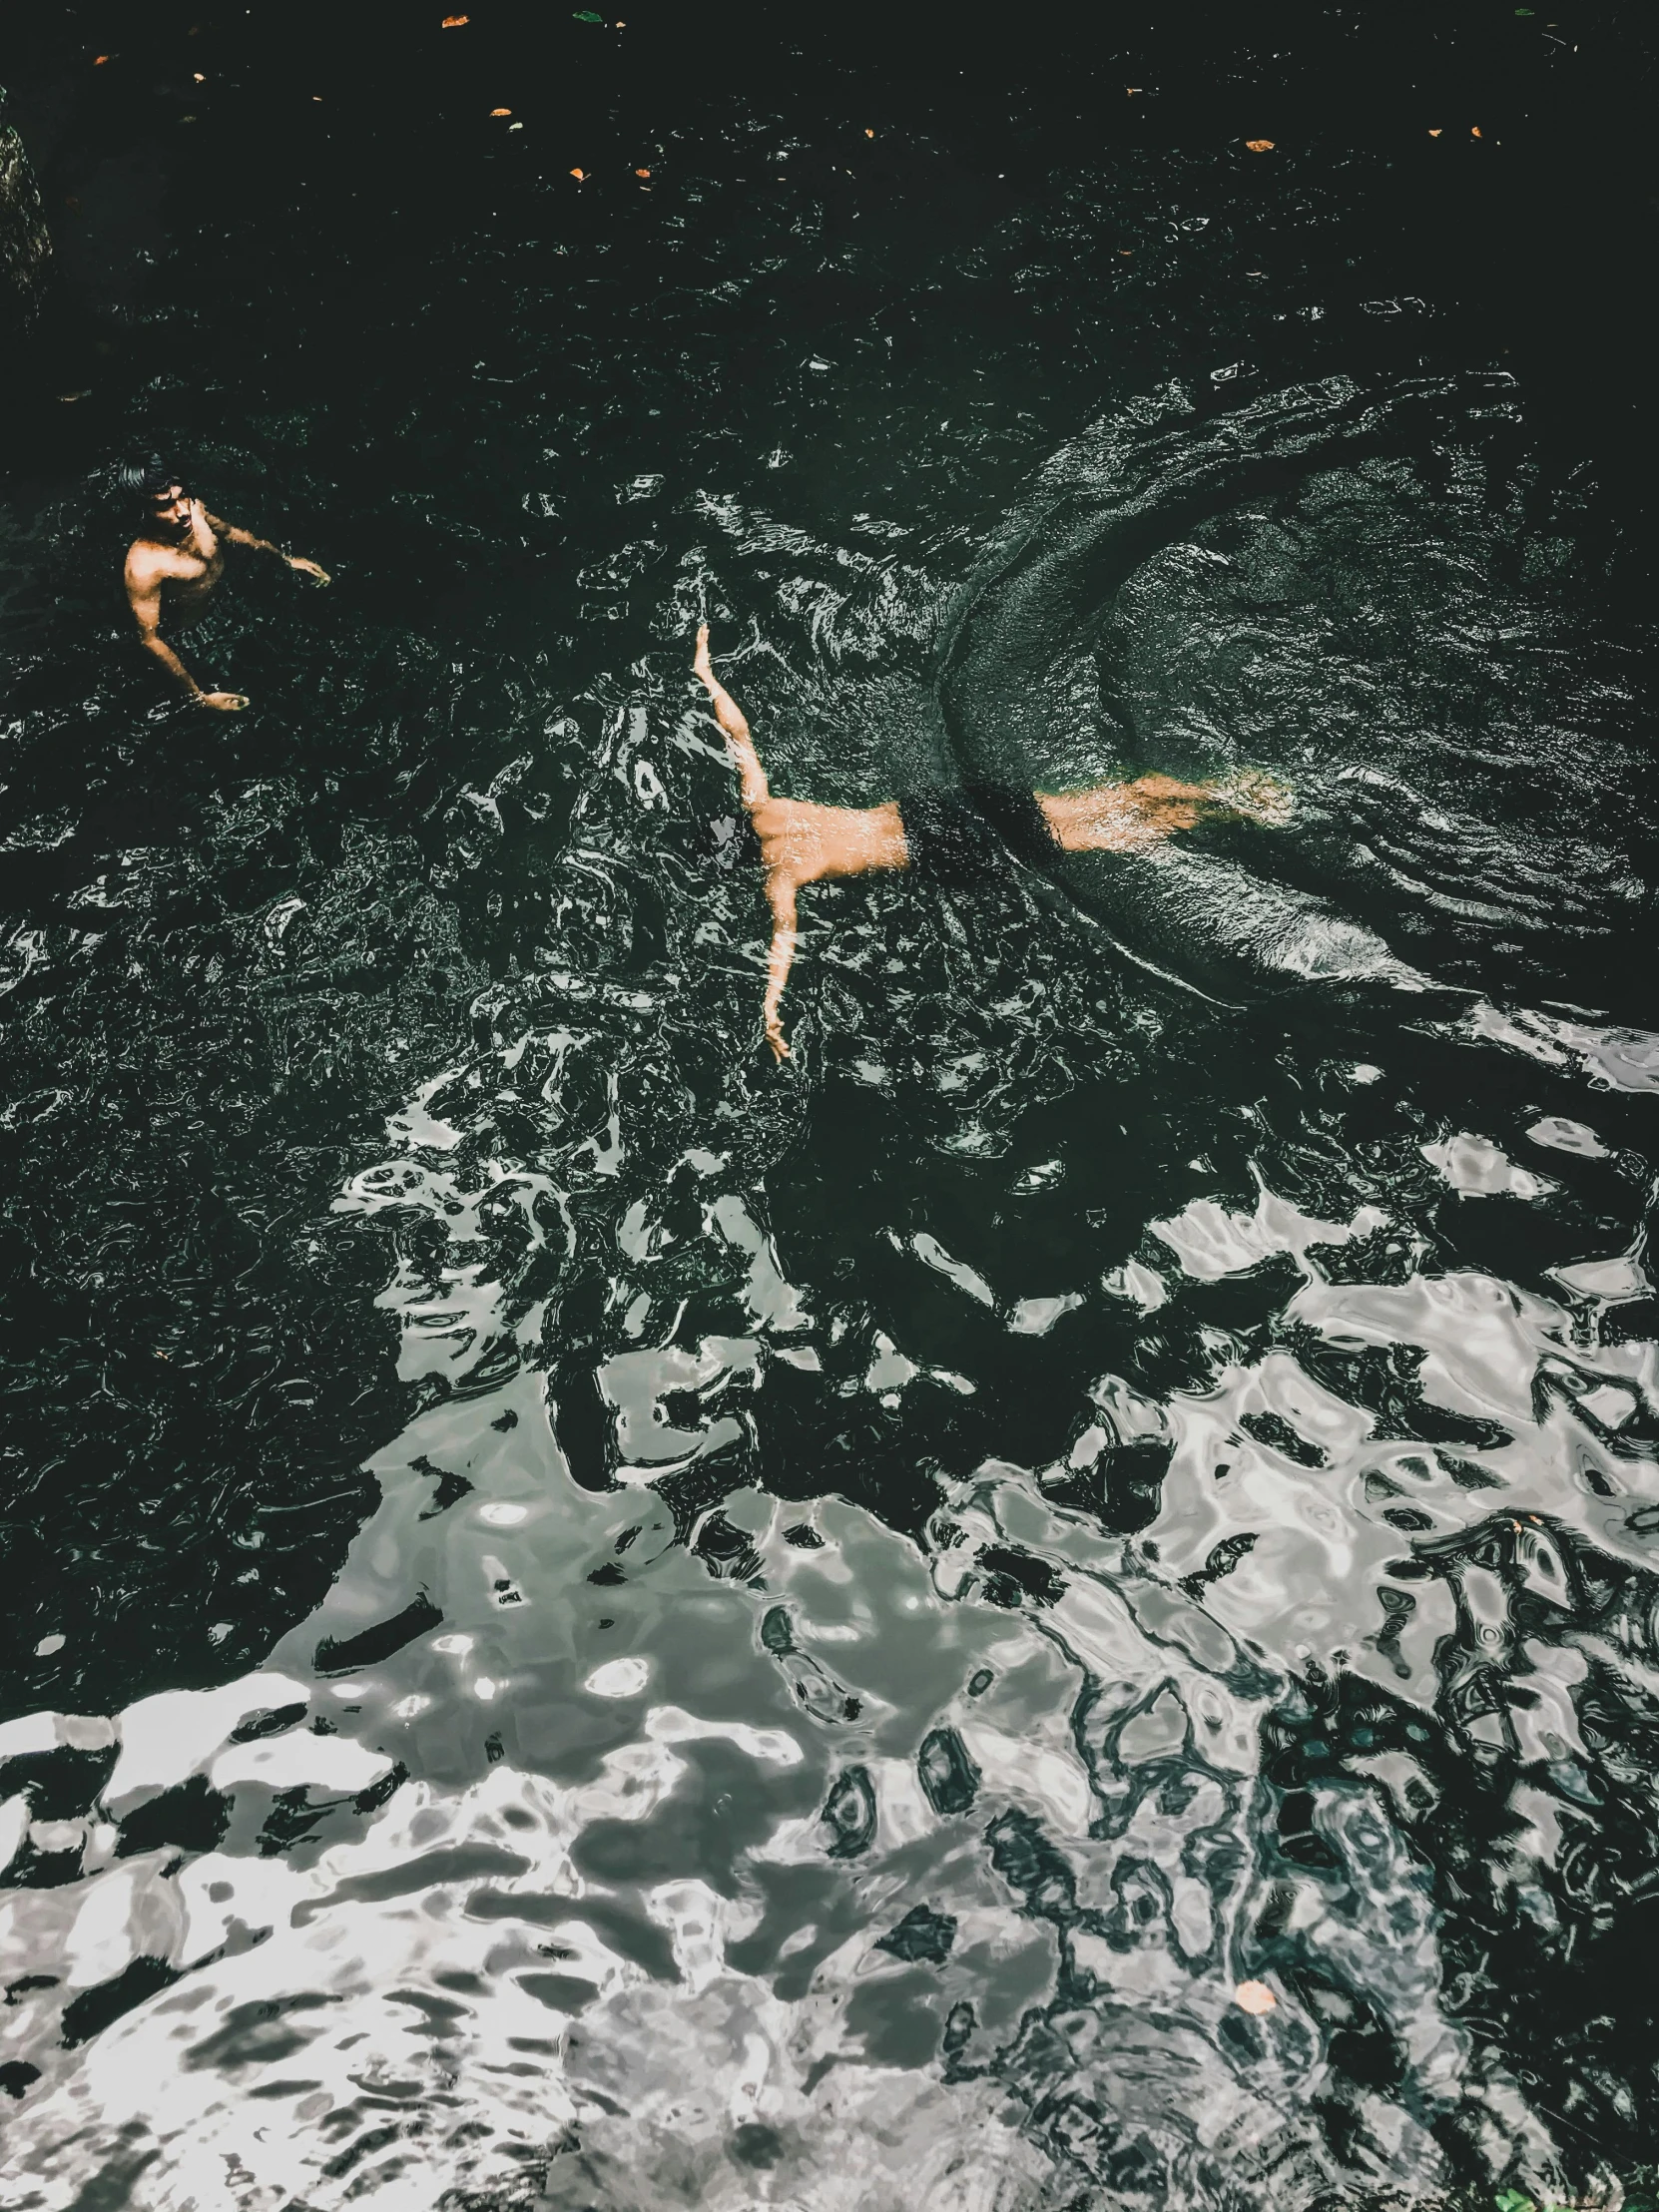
<point x="234" y="536"/>
<point x="752" y="777"/>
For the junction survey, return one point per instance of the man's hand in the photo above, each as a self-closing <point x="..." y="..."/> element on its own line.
<point x="226" y="702"/>
<point x="306" y="568"/>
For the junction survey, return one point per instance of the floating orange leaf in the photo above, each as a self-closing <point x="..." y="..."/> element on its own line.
<point x="1255" y="1998"/>
<point x="642" y="173"/>
<point x="453" y="22"/>
<point x="1474" y="129"/>
<point x="501" y="111"/>
<point x="869" y="134"/>
<point x="97" y="60"/>
<point x="1260" y="146"/>
<point x="578" y="174"/>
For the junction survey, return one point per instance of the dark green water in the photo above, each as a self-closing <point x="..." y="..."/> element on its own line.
<point x="595" y="1623"/>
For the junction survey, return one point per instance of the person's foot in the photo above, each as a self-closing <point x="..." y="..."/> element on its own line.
<point x="1259" y="797"/>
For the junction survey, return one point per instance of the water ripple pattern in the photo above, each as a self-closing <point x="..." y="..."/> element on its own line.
<point x="1055" y="1605"/>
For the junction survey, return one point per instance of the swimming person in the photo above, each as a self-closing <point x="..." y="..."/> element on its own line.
<point x="953" y="837"/>
<point x="180" y="552"/>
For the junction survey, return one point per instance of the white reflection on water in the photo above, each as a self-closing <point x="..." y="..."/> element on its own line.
<point x="593" y="1930"/>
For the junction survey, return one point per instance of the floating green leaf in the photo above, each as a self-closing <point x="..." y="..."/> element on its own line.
<point x="1511" y="2200"/>
<point x="586" y="15"/>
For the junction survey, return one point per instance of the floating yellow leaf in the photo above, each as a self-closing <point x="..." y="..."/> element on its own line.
<point x="1433" y="133"/>
<point x="1255" y="1998"/>
<point x="1260" y="146"/>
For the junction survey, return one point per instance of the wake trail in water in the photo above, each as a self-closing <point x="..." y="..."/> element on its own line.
<point x="1114" y="539"/>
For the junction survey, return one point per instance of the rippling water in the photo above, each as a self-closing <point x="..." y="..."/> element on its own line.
<point x="599" y="1624"/>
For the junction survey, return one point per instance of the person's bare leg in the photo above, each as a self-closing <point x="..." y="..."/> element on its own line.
<point x="1127" y="817"/>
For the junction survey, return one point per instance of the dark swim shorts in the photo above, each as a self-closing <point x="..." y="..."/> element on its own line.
<point x="959" y="837"/>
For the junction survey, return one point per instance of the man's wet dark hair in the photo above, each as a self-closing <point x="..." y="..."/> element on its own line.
<point x="147" y="481"/>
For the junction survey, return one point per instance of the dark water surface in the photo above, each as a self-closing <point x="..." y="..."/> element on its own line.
<point x="594" y="1623"/>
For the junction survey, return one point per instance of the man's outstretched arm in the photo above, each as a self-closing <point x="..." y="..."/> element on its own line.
<point x="758" y="799"/>
<point x="752" y="777"/>
<point x="232" y="536"/>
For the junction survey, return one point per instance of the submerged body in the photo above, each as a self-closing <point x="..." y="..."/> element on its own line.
<point x="803" y="842"/>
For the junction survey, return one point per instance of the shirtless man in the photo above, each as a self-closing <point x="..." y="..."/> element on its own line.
<point x="804" y="844"/>
<point x="181" y="552"/>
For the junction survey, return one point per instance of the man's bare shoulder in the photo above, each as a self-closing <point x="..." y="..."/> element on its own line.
<point x="148" y="563"/>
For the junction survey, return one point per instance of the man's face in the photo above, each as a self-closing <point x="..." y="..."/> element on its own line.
<point x="171" y="508"/>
